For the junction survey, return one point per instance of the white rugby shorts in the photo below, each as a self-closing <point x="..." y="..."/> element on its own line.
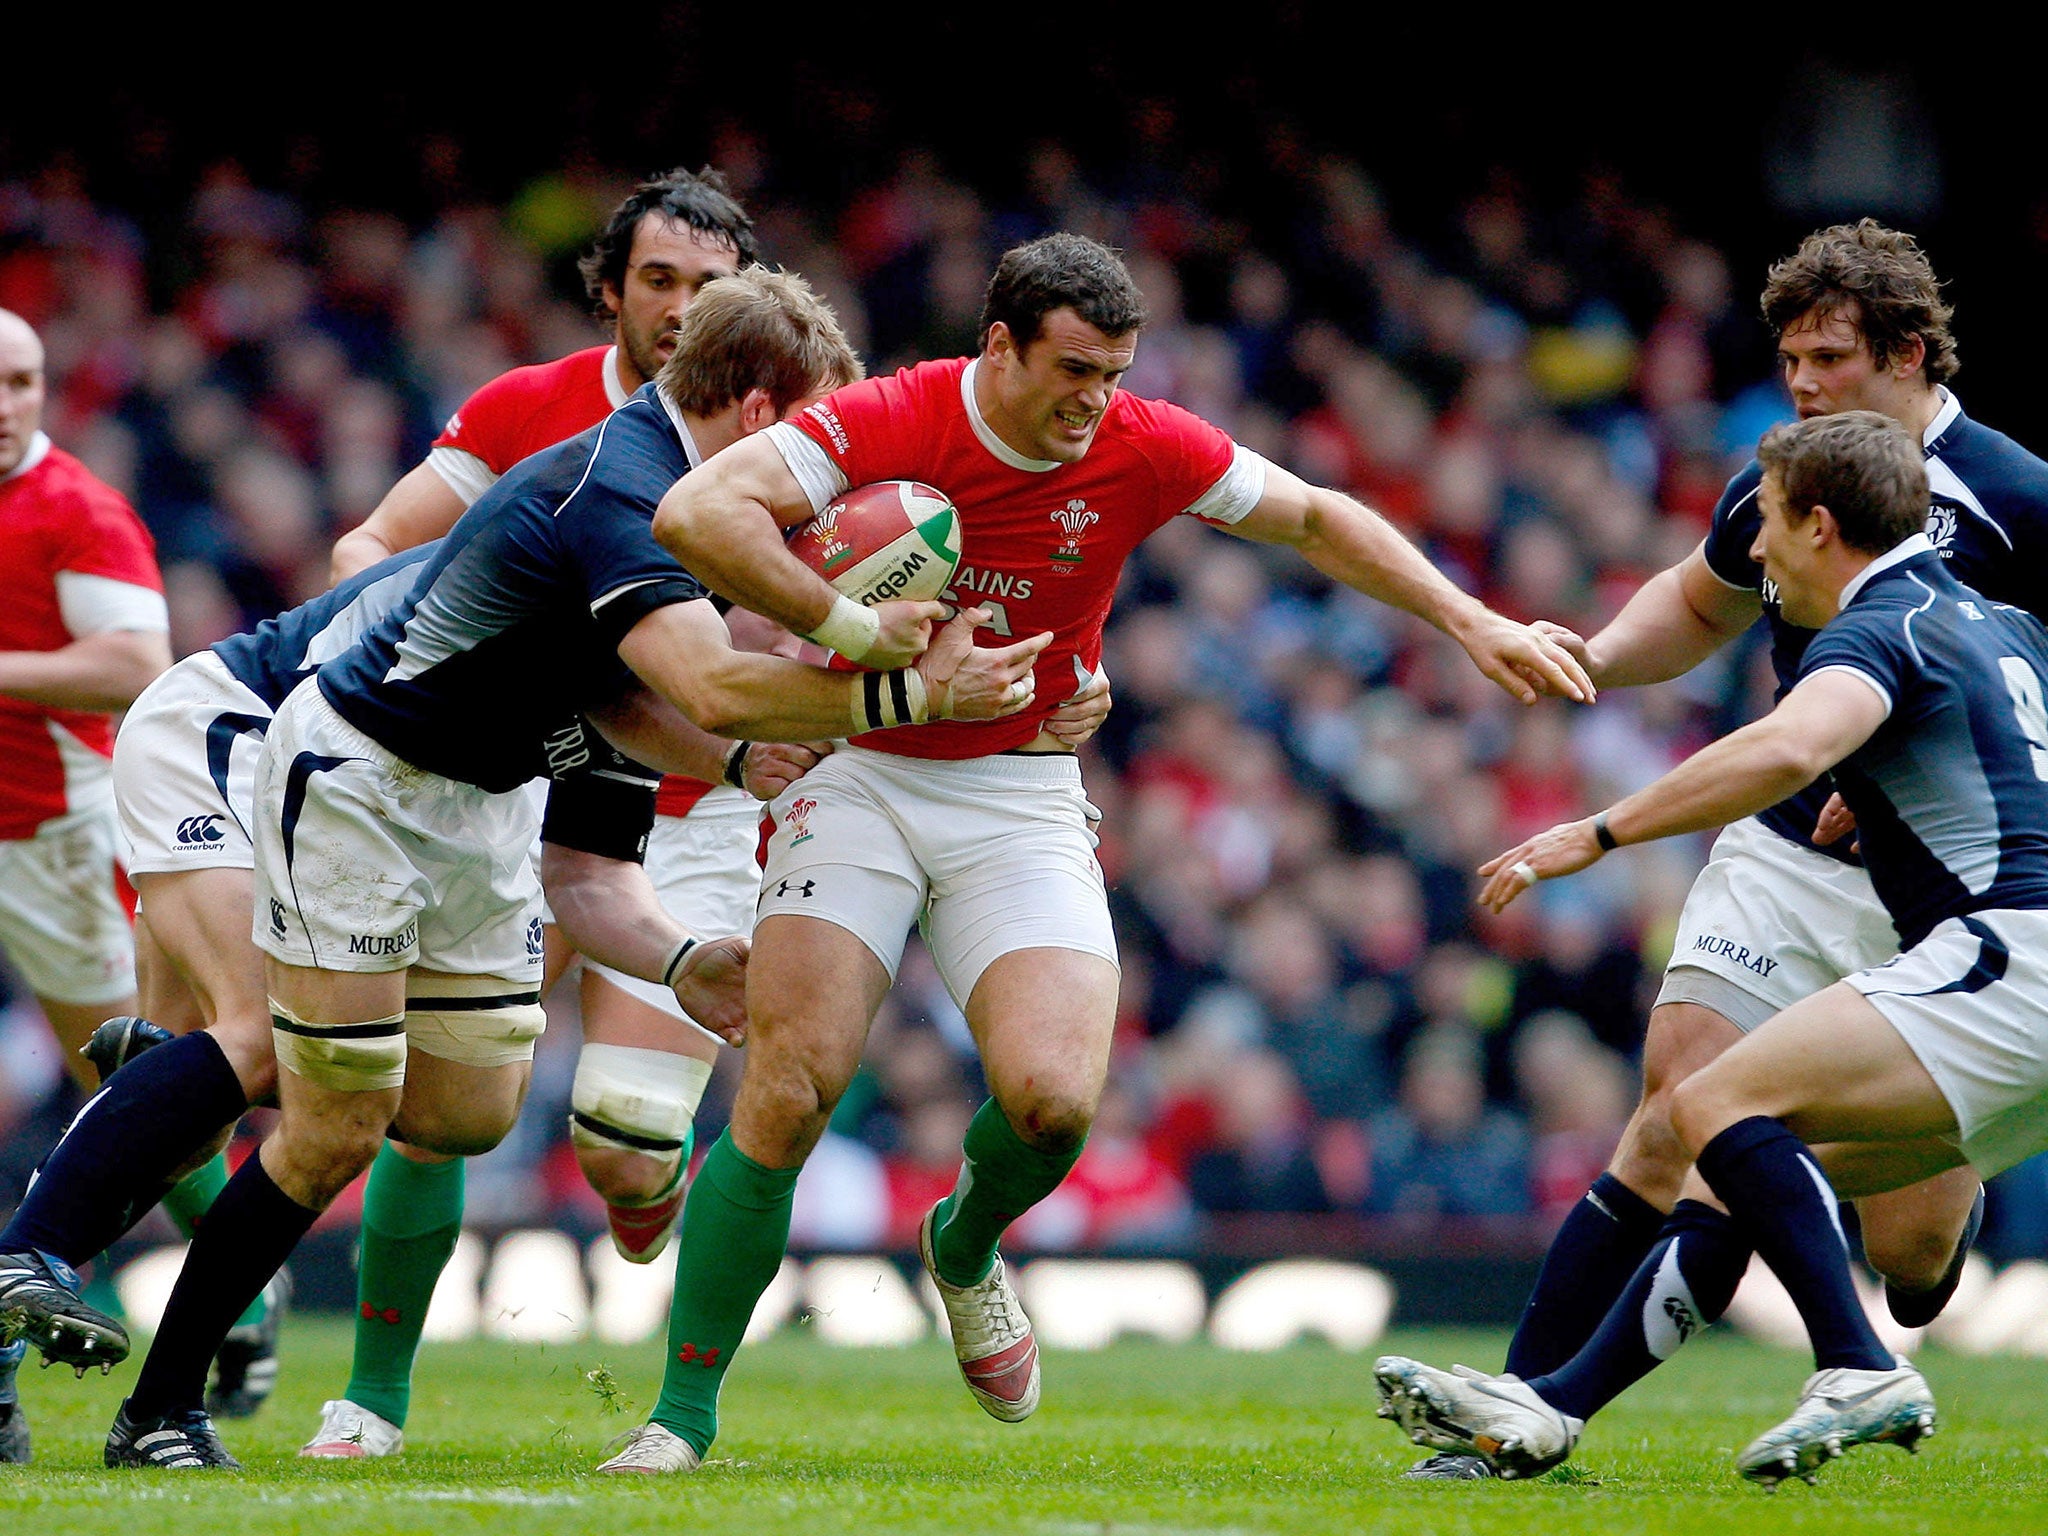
<point x="61" y="918"/>
<point x="705" y="870"/>
<point x="185" y="769"/>
<point x="1971" y="1000"/>
<point x="986" y="856"/>
<point x="367" y="863"/>
<point x="1769" y="922"/>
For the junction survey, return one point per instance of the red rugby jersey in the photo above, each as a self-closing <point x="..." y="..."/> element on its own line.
<point x="1042" y="544"/>
<point x="57" y="518"/>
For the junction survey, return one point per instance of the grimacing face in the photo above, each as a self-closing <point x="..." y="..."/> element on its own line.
<point x="667" y="266"/>
<point x="1049" y="397"/>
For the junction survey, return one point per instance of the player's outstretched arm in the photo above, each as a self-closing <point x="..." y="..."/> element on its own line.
<point x="1815" y="726"/>
<point x="609" y="912"/>
<point x="421" y="506"/>
<point x="97" y="672"/>
<point x="683" y="652"/>
<point x="1672" y="623"/>
<point x="1355" y="545"/>
<point x="723" y="521"/>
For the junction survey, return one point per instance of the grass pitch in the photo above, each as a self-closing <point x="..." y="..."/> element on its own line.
<point x="1138" y="1440"/>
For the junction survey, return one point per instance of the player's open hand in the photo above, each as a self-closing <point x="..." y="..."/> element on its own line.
<point x="772" y="766"/>
<point x="1835" y="822"/>
<point x="712" y="987"/>
<point x="965" y="681"/>
<point x="1082" y="715"/>
<point x="1524" y="660"/>
<point x="1565" y="849"/>
<point x="906" y="631"/>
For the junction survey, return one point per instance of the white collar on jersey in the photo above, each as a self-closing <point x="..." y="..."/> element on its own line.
<point x="1898" y="554"/>
<point x="615" y="393"/>
<point x="38" y="450"/>
<point x="987" y="433"/>
<point x="675" y="417"/>
<point x="1944" y="418"/>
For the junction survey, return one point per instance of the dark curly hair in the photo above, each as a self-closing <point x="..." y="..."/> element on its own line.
<point x="1877" y="279"/>
<point x="700" y="199"/>
<point x="1061" y="272"/>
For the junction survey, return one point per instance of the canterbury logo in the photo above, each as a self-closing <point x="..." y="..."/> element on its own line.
<point x="197" y="831"/>
<point x="1682" y="1318"/>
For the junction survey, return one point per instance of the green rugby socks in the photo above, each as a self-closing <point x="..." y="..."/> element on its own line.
<point x="412" y="1215"/>
<point x="1001" y="1179"/>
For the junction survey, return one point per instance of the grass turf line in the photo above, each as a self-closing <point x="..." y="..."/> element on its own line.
<point x="1138" y="1440"/>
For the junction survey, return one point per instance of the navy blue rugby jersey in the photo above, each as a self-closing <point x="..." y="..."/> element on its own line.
<point x="514" y="625"/>
<point x="1951" y="791"/>
<point x="1988" y="521"/>
<point x="280" y="653"/>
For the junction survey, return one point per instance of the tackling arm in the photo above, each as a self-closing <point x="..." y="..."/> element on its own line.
<point x="1355" y="545"/>
<point x="1815" y="726"/>
<point x="723" y="522"/>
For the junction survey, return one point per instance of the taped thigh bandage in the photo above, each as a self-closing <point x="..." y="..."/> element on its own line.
<point x="630" y="1099"/>
<point x="363" y="1057"/>
<point x="480" y="1021"/>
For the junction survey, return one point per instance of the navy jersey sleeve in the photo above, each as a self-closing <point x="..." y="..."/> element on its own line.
<point x="1873" y="643"/>
<point x="600" y="801"/>
<point x="1737" y="516"/>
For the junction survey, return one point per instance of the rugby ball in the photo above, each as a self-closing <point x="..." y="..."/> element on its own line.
<point x="894" y="539"/>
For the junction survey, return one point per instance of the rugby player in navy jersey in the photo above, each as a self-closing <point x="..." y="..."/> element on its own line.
<point x="1924" y="699"/>
<point x="391" y="831"/>
<point x="1776" y="916"/>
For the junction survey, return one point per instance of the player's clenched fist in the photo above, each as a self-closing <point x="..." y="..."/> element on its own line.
<point x="965" y="681"/>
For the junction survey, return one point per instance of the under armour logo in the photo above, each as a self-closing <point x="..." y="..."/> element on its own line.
<point x="802" y="889"/>
<point x="200" y="829"/>
<point x="690" y="1354"/>
<point x="376" y="1314"/>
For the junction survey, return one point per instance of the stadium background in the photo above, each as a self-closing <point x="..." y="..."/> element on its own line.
<point x="1507" y="299"/>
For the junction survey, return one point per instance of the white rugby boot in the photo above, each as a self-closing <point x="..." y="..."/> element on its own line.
<point x="651" y="1450"/>
<point x="992" y="1338"/>
<point x="1471" y="1413"/>
<point x="1839" y="1409"/>
<point x="349" y="1432"/>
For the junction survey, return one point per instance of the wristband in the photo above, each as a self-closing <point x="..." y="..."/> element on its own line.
<point x="1602" y="836"/>
<point x="675" y="962"/>
<point x="735" y="772"/>
<point x="849" y="629"/>
<point x="883" y="699"/>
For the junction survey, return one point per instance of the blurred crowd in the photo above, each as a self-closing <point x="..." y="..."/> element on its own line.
<point x="1296" y="783"/>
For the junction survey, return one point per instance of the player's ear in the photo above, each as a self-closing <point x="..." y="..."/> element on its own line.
<point x="757" y="410"/>
<point x="1822" y="526"/>
<point x="1909" y="357"/>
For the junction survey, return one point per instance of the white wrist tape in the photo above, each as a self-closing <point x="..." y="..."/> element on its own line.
<point x="883" y="699"/>
<point x="849" y="629"/>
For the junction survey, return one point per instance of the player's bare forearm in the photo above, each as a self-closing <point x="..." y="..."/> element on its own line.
<point x="608" y="911"/>
<point x="651" y="730"/>
<point x="102" y="672"/>
<point x="1672" y="623"/>
<point x="723" y="521"/>
<point x="421" y="506"/>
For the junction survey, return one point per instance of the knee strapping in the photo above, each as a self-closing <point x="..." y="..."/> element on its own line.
<point x="363" y="1057"/>
<point x="480" y="1021"/>
<point x="630" y="1099"/>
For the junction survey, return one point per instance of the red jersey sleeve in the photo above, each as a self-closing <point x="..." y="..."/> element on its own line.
<point x="102" y="536"/>
<point x="880" y="429"/>
<point x="488" y="422"/>
<point x="1187" y="454"/>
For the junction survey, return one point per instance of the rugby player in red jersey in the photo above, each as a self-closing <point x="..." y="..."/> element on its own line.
<point x="979" y="832"/>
